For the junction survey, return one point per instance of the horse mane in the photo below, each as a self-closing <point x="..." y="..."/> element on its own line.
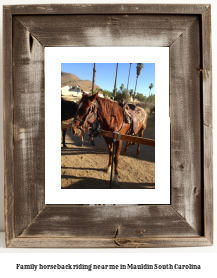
<point x="110" y="108"/>
<point x="109" y="105"/>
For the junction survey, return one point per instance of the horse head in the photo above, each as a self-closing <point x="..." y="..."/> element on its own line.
<point x="86" y="113"/>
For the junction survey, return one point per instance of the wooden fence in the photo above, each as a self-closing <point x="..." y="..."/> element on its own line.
<point x="119" y="136"/>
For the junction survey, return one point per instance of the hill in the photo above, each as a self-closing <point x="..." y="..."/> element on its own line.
<point x="72" y="80"/>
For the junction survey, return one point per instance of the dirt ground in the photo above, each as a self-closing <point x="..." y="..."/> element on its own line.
<point x="84" y="167"/>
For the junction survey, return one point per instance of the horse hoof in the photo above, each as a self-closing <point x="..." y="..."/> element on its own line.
<point x="108" y="169"/>
<point x="64" y="147"/>
<point x="82" y="144"/>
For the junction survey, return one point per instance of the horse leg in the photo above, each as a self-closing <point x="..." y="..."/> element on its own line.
<point x="140" y="134"/>
<point x="118" y="145"/>
<point x="126" y="146"/>
<point x="82" y="138"/>
<point x="64" y="136"/>
<point x="92" y="142"/>
<point x="110" y="149"/>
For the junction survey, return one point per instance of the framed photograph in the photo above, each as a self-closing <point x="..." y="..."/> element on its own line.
<point x="38" y="40"/>
<point x="85" y="168"/>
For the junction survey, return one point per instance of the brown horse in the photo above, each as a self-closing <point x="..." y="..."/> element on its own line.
<point x="111" y="116"/>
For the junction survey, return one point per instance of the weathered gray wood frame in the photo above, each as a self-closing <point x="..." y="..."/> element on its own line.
<point x="186" y="29"/>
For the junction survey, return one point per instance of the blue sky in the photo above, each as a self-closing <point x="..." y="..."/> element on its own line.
<point x="105" y="75"/>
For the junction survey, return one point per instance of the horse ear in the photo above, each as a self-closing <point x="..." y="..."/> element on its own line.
<point x="83" y="94"/>
<point x="92" y="98"/>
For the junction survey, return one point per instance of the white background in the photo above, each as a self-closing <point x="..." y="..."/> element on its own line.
<point x="53" y="192"/>
<point x="205" y="256"/>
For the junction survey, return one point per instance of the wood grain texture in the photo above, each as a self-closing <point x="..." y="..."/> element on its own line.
<point x="207" y="122"/>
<point x="185" y="113"/>
<point x="109" y="222"/>
<point x="207" y="67"/>
<point x="106" y="9"/>
<point x="150" y="242"/>
<point x="8" y="126"/>
<point x="186" y="30"/>
<point x="107" y="30"/>
<point x="29" y="140"/>
<point x="208" y="182"/>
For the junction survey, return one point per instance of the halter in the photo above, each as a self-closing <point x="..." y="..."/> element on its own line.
<point x="93" y="110"/>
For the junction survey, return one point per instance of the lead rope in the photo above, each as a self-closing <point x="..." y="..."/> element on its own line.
<point x="113" y="151"/>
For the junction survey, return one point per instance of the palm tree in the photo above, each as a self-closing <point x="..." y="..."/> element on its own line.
<point x="150" y="87"/>
<point x="139" y="68"/>
<point x="94" y="91"/>
<point x="122" y="86"/>
<point x="94" y="72"/>
<point x="138" y="71"/>
<point x="129" y="77"/>
<point x="114" y="91"/>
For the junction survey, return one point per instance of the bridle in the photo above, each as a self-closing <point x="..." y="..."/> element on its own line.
<point x="92" y="112"/>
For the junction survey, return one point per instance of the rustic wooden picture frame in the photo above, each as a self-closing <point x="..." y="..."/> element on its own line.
<point x="186" y="30"/>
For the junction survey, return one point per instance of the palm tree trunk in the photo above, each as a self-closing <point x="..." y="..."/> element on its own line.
<point x="128" y="77"/>
<point x="135" y="86"/>
<point x="114" y="92"/>
<point x="94" y="72"/>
